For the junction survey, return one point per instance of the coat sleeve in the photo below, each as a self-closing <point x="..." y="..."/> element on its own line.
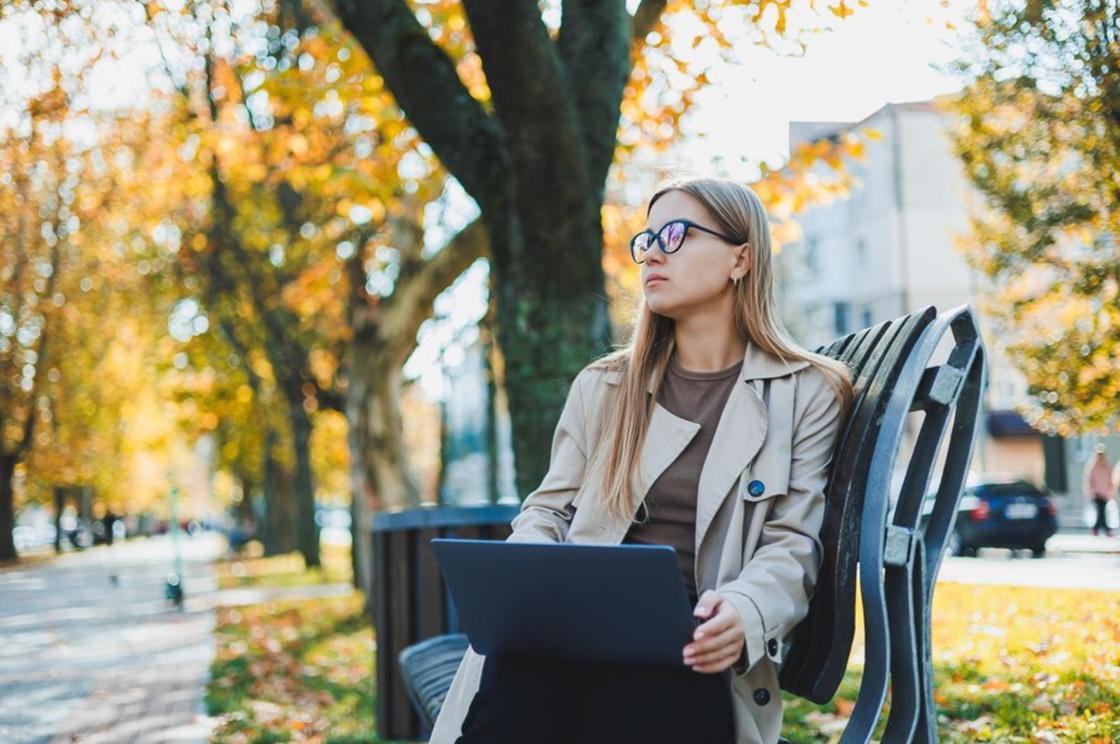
<point x="547" y="512"/>
<point x="773" y="590"/>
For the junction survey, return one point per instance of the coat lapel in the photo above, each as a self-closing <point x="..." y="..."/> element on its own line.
<point x="738" y="437"/>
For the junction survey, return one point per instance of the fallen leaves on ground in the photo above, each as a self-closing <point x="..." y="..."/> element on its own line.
<point x="285" y="570"/>
<point x="1011" y="664"/>
<point x="295" y="670"/>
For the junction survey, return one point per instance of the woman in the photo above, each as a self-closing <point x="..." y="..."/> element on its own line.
<point x="1098" y="485"/>
<point x="712" y="432"/>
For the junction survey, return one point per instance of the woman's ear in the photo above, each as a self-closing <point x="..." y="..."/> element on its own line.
<point x="742" y="259"/>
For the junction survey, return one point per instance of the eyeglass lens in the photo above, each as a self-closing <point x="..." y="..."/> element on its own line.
<point x="672" y="234"/>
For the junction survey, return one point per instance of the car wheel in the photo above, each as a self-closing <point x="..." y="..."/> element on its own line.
<point x="955" y="546"/>
<point x="1038" y="551"/>
<point x="968" y="551"/>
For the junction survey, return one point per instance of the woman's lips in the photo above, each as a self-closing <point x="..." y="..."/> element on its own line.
<point x="655" y="280"/>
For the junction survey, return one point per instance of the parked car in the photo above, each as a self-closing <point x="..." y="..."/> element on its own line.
<point x="1011" y="513"/>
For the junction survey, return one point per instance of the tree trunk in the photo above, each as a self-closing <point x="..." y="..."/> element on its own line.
<point x="245" y="513"/>
<point x="550" y="323"/>
<point x="59" y="505"/>
<point x="488" y="351"/>
<point x="279" y="506"/>
<point x="379" y="472"/>
<point x="307" y="532"/>
<point x="7" y="508"/>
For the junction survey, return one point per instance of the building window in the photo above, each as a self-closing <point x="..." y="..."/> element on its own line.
<point x="840" y="317"/>
<point x="812" y="257"/>
<point x="867" y="317"/>
<point x="861" y="251"/>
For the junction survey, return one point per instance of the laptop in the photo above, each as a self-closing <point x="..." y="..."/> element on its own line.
<point x="605" y="603"/>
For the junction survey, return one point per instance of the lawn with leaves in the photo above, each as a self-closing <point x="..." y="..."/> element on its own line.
<point x="285" y="570"/>
<point x="1011" y="664"/>
<point x="294" y="670"/>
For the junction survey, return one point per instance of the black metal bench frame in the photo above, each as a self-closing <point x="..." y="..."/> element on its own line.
<point x="897" y="552"/>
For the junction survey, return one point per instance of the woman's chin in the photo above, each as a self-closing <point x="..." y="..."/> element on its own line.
<point x="659" y="306"/>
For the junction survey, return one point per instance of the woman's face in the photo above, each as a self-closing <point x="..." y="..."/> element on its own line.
<point x="699" y="273"/>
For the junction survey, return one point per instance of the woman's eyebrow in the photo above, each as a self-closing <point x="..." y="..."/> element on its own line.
<point x="663" y="224"/>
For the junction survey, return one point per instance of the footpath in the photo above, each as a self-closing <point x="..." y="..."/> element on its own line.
<point x="91" y="652"/>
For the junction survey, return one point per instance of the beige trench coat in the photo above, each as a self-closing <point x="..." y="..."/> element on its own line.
<point x="762" y="552"/>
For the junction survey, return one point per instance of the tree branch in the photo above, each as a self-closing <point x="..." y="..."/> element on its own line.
<point x="594" y="44"/>
<point x="533" y="100"/>
<point x="423" y="80"/>
<point x="645" y="19"/>
<point x="413" y="300"/>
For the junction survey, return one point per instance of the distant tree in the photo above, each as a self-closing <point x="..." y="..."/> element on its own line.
<point x="56" y="188"/>
<point x="1038" y="134"/>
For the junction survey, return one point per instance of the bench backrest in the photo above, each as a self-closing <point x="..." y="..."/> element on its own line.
<point x="898" y="556"/>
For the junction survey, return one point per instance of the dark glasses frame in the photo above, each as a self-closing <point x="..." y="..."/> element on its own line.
<point x="662" y="243"/>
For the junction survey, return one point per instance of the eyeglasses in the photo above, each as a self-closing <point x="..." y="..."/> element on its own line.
<point x="670" y="237"/>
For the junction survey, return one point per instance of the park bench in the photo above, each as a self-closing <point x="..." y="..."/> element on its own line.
<point x="873" y="521"/>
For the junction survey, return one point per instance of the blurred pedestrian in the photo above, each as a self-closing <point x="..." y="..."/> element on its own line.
<point x="1098" y="484"/>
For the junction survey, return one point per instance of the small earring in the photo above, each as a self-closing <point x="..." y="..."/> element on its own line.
<point x="735" y="281"/>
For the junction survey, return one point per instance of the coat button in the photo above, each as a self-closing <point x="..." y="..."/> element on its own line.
<point x="772" y="646"/>
<point x="756" y="487"/>
<point x="762" y="696"/>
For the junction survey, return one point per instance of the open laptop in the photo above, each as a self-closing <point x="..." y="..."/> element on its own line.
<point x="609" y="603"/>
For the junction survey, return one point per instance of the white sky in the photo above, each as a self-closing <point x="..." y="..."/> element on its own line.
<point x="881" y="54"/>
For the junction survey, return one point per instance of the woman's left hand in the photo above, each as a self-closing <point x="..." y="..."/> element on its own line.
<point x="718" y="642"/>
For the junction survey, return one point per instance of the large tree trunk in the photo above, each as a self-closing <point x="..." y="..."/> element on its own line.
<point x="7" y="508"/>
<point x="279" y="503"/>
<point x="550" y="323"/>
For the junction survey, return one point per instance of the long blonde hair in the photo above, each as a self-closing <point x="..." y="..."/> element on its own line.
<point x="740" y="214"/>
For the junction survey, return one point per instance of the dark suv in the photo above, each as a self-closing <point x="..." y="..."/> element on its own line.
<point x="1001" y="514"/>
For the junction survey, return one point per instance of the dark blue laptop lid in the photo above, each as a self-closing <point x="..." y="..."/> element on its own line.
<point x="611" y="603"/>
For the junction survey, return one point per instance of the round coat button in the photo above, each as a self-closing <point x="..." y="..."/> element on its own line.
<point x="772" y="646"/>
<point x="756" y="487"/>
<point x="762" y="696"/>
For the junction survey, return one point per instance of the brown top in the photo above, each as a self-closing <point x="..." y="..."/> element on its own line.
<point x="671" y="501"/>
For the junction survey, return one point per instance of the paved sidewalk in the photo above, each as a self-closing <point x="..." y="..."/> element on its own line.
<point x="84" y="658"/>
<point x="1073" y="561"/>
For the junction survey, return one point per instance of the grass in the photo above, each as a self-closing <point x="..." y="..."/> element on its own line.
<point x="1011" y="664"/>
<point x="294" y="670"/>
<point x="285" y="570"/>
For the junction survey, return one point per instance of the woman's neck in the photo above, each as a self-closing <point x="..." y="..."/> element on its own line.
<point x="707" y="345"/>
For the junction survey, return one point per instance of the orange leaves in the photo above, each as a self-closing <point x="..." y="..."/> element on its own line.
<point x="300" y="669"/>
<point x="841" y="9"/>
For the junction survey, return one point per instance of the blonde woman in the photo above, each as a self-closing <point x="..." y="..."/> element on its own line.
<point x="712" y="432"/>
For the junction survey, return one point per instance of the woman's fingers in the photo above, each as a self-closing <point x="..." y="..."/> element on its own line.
<point x="721" y="644"/>
<point x="715" y="626"/>
<point x="709" y="641"/>
<point x="708" y="603"/>
<point x="717" y="664"/>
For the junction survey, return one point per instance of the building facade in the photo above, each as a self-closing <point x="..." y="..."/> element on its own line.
<point x="888" y="250"/>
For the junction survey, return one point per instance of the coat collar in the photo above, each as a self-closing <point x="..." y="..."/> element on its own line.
<point x="757" y="365"/>
<point x="738" y="437"/>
